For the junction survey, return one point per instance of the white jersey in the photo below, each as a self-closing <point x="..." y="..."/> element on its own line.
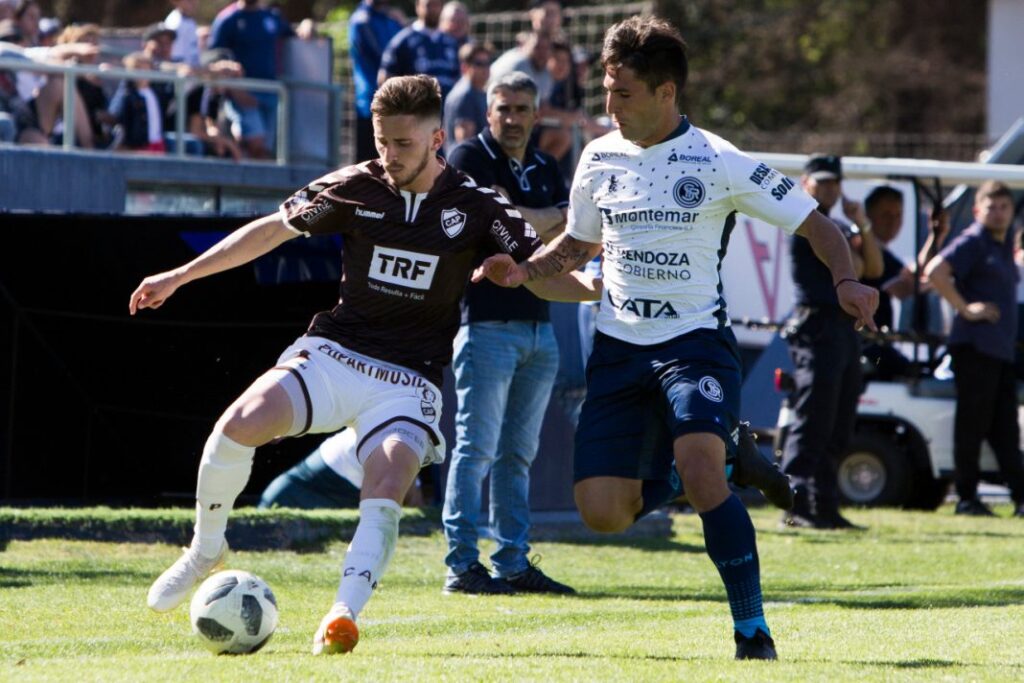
<point x="664" y="214"/>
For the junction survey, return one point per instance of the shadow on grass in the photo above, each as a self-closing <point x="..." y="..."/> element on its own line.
<point x="651" y="544"/>
<point x="11" y="577"/>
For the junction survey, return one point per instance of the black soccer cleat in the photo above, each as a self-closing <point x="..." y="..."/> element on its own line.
<point x="758" y="646"/>
<point x="752" y="468"/>
<point x="476" y="580"/>
<point x="973" y="508"/>
<point x="533" y="580"/>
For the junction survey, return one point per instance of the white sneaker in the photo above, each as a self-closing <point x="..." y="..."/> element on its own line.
<point x="173" y="586"/>
<point x="338" y="632"/>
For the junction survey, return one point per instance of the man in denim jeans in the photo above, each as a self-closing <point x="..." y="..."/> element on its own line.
<point x="505" y="360"/>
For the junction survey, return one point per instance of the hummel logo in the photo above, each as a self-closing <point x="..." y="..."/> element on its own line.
<point x="363" y="213"/>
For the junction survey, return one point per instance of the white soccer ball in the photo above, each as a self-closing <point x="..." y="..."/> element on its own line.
<point x="233" y="612"/>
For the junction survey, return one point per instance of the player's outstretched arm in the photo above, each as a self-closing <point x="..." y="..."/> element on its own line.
<point x="830" y="246"/>
<point x="242" y="246"/>
<point x="571" y="287"/>
<point x="564" y="255"/>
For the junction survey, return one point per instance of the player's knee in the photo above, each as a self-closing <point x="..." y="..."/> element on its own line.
<point x="606" y="521"/>
<point x="602" y="515"/>
<point x="241" y="423"/>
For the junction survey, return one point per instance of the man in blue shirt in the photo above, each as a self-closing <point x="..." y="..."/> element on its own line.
<point x="252" y="34"/>
<point x="423" y="49"/>
<point x="465" y="108"/>
<point x="370" y="29"/>
<point x="506" y="359"/>
<point x="982" y="341"/>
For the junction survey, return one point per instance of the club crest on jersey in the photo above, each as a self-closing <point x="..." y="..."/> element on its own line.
<point x="711" y="389"/>
<point x="453" y="221"/>
<point x="688" y="192"/>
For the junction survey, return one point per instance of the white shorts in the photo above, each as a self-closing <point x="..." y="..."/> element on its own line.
<point x="342" y="388"/>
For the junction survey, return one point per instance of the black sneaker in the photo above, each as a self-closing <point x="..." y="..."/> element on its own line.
<point x="1019" y="512"/>
<point x="835" y="520"/>
<point x="758" y="646"/>
<point x="533" y="580"/>
<point x="752" y="468"/>
<point x="974" y="508"/>
<point x="476" y="580"/>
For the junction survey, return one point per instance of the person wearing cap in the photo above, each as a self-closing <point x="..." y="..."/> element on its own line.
<point x="825" y="349"/>
<point x="182" y="20"/>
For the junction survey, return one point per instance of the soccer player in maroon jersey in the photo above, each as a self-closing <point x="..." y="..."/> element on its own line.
<point x="413" y="227"/>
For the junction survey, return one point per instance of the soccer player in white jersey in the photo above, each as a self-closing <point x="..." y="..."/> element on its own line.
<point x="660" y="196"/>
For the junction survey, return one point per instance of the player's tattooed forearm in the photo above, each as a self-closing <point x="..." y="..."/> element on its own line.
<point x="569" y="254"/>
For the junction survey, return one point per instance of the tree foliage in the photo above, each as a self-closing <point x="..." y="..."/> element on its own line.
<point x="914" y="66"/>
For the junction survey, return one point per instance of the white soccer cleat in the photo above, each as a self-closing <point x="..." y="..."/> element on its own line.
<point x="338" y="632"/>
<point x="174" y="585"/>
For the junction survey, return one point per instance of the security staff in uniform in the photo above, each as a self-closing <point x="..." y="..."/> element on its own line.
<point x="825" y="349"/>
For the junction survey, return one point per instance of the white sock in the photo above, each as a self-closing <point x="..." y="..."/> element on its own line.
<point x="368" y="555"/>
<point x="223" y="473"/>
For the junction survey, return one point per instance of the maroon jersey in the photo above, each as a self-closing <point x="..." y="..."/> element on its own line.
<point x="406" y="258"/>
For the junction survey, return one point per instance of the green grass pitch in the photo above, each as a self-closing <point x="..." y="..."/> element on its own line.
<point x="919" y="596"/>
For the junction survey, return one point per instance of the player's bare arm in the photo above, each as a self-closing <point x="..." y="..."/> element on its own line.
<point x="565" y="254"/>
<point x="571" y="287"/>
<point x="829" y="245"/>
<point x="242" y="246"/>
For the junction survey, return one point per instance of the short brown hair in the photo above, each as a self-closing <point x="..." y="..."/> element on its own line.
<point x="470" y="50"/>
<point x="418" y="96"/>
<point x="651" y="47"/>
<point x="990" y="189"/>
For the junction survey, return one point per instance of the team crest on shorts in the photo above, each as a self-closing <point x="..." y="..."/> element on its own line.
<point x="688" y="192"/>
<point x="710" y="389"/>
<point x="453" y="221"/>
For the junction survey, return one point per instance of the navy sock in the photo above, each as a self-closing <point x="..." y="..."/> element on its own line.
<point x="732" y="546"/>
<point x="658" y="492"/>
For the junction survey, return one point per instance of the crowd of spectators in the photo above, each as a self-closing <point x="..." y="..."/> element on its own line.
<point x="440" y="43"/>
<point x="139" y="115"/>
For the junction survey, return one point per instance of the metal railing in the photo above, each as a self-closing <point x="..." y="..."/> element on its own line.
<point x="182" y="84"/>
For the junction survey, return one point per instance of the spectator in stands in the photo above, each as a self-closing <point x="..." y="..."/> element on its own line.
<point x="977" y="275"/>
<point x="49" y="29"/>
<point x="563" y="109"/>
<point x="465" y="109"/>
<point x="252" y="34"/>
<point x="182" y="20"/>
<point x="505" y="360"/>
<point x="27" y="15"/>
<point x="546" y="17"/>
<point x="370" y="29"/>
<point x="423" y="49"/>
<point x="90" y="88"/>
<point x="204" y="103"/>
<point x="137" y="109"/>
<point x="530" y="57"/>
<point x="455" y="21"/>
<point x="39" y="122"/>
<point x="7" y="8"/>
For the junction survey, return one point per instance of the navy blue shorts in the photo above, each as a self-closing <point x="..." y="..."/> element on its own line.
<point x="641" y="398"/>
